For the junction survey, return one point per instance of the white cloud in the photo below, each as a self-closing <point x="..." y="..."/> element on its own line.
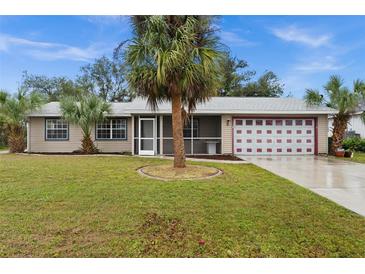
<point x="232" y="38"/>
<point x="7" y="41"/>
<point x="49" y="51"/>
<point x="328" y="63"/>
<point x="303" y="36"/>
<point x="108" y="19"/>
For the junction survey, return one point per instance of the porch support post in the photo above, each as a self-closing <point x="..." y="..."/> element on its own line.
<point x="161" y="134"/>
<point x="132" y="128"/>
<point x="192" y="134"/>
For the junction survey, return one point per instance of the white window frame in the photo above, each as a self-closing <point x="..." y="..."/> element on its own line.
<point x="47" y="138"/>
<point x="123" y="127"/>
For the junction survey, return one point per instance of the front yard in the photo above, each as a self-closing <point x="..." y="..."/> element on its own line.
<point x="359" y="157"/>
<point x="75" y="206"/>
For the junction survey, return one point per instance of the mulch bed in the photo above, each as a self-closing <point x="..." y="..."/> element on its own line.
<point x="216" y="157"/>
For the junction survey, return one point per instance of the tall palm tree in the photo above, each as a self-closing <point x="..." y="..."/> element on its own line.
<point x="174" y="59"/>
<point x="85" y="112"/>
<point x="343" y="99"/>
<point x="13" y="114"/>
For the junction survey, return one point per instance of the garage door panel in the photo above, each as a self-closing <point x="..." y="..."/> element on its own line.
<point x="276" y="136"/>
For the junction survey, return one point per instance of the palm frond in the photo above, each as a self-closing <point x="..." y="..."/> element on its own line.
<point x="85" y="112"/>
<point x="313" y="97"/>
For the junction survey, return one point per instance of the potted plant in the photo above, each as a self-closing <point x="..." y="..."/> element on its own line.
<point x="348" y="154"/>
<point x="340" y="152"/>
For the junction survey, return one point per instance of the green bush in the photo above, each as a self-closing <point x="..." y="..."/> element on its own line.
<point x="354" y="144"/>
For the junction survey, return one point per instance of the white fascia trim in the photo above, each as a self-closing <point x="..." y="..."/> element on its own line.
<point x="243" y="112"/>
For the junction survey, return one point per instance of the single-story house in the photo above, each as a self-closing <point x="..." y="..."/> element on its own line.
<point x="356" y="126"/>
<point x="223" y="125"/>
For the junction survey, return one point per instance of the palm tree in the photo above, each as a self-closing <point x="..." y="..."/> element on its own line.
<point x="174" y="59"/>
<point x="346" y="101"/>
<point x="13" y="114"/>
<point x="85" y="112"/>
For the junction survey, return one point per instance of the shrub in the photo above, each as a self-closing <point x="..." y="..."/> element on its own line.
<point x="354" y="144"/>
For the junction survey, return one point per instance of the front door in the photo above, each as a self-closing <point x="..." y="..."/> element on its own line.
<point x="147" y="140"/>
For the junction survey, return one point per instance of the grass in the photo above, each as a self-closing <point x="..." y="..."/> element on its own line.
<point x="3" y="148"/>
<point x="359" y="157"/>
<point x="74" y="206"/>
<point x="165" y="171"/>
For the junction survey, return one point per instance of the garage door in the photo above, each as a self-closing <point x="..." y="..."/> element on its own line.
<point x="276" y="136"/>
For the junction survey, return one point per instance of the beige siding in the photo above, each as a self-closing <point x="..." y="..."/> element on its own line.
<point x="226" y="134"/>
<point x="322" y="134"/>
<point x="37" y="142"/>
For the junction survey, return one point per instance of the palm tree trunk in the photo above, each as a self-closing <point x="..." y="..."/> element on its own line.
<point x="177" y="131"/>
<point x="87" y="145"/>
<point x="338" y="134"/>
<point x="16" y="139"/>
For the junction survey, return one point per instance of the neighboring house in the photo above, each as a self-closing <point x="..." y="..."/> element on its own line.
<point x="223" y="125"/>
<point x="356" y="126"/>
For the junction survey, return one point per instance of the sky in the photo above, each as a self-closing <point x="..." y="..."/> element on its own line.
<point x="302" y="50"/>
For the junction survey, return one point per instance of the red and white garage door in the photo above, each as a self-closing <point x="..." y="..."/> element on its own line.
<point x="275" y="136"/>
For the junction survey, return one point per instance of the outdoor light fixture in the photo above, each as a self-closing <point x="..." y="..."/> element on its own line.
<point x="228" y="122"/>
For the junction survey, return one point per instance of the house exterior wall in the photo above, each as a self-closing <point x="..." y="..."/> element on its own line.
<point x="37" y="142"/>
<point x="226" y="121"/>
<point x="322" y="125"/>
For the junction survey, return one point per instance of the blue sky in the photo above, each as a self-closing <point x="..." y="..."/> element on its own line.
<point x="302" y="50"/>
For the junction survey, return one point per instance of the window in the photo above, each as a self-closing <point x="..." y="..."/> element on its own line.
<point x="308" y="122"/>
<point x="288" y="122"/>
<point x="259" y="122"/>
<point x="298" y="122"/>
<point x="112" y="129"/>
<point x="249" y="122"/>
<point x="187" y="128"/>
<point x="56" y="129"/>
<point x="279" y="122"/>
<point x="238" y="122"/>
<point x="269" y="122"/>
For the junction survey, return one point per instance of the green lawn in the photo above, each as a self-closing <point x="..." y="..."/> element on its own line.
<point x="74" y="206"/>
<point x="3" y="148"/>
<point x="359" y="157"/>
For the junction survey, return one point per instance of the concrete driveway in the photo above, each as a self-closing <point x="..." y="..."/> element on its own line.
<point x="340" y="181"/>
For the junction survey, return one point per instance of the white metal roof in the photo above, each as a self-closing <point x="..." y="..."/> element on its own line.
<point x="216" y="105"/>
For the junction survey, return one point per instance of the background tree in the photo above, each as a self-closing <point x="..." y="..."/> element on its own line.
<point x="13" y="114"/>
<point x="106" y="78"/>
<point x="53" y="88"/>
<point x="236" y="80"/>
<point x="234" y="75"/>
<point x="341" y="98"/>
<point x="85" y="111"/>
<point x="268" y="85"/>
<point x="176" y="59"/>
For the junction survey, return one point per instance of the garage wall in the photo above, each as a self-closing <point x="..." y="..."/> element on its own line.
<point x="37" y="142"/>
<point x="322" y="134"/>
<point x="226" y="134"/>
